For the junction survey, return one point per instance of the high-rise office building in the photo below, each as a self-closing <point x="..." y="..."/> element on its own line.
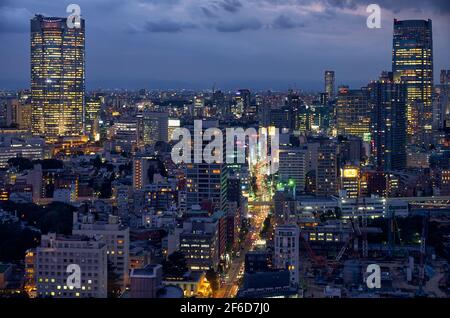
<point x="445" y="77"/>
<point x="287" y="240"/>
<point x="242" y="102"/>
<point x="352" y="112"/>
<point x="154" y="127"/>
<point x="441" y="102"/>
<point x="206" y="182"/>
<point x="218" y="102"/>
<point x="330" y="84"/>
<point x="388" y="126"/>
<point x="412" y="63"/>
<point x="281" y="118"/>
<point x="326" y="173"/>
<point x="199" y="242"/>
<point x="292" y="168"/>
<point x="300" y="113"/>
<point x="92" y="117"/>
<point x="57" y="77"/>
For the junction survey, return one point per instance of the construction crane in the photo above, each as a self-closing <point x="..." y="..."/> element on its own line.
<point x="322" y="261"/>
<point x="318" y="260"/>
<point x="391" y="233"/>
<point x="365" y="244"/>
<point x="362" y="233"/>
<point x="423" y="250"/>
<point x="343" y="249"/>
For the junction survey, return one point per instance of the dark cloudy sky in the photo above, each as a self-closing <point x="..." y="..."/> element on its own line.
<point x="236" y="43"/>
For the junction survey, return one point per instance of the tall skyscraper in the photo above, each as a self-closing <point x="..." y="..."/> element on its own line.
<point x="241" y="104"/>
<point x="388" y="127"/>
<point x="330" y="84"/>
<point x="441" y="101"/>
<point x="92" y="117"/>
<point x="326" y="173"/>
<point x="57" y="77"/>
<point x="445" y="77"/>
<point x="207" y="182"/>
<point x="292" y="168"/>
<point x="412" y="63"/>
<point x="352" y="112"/>
<point x="300" y="113"/>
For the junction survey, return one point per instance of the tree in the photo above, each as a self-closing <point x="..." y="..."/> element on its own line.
<point x="105" y="189"/>
<point x="14" y="241"/>
<point x="97" y="162"/>
<point x="113" y="282"/>
<point x="55" y="217"/>
<point x="50" y="164"/>
<point x="213" y="279"/>
<point x="20" y="163"/>
<point x="175" y="265"/>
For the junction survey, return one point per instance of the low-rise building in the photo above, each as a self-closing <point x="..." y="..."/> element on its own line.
<point x="58" y="254"/>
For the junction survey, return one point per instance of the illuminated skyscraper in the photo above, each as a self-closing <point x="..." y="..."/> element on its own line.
<point x="154" y="127"/>
<point x="388" y="126"/>
<point x="330" y="88"/>
<point x="412" y="63"/>
<point x="57" y="77"/>
<point x="206" y="182"/>
<point x="92" y="117"/>
<point x="292" y="168"/>
<point x="326" y="172"/>
<point x="242" y="102"/>
<point x="352" y="112"/>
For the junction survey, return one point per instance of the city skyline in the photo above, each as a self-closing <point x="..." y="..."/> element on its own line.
<point x="225" y="190"/>
<point x="288" y="48"/>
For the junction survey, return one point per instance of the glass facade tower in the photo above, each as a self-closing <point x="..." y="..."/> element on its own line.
<point x="57" y="77"/>
<point x="412" y="63"/>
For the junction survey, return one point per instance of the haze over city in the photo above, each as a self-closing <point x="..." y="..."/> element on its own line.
<point x="259" y="44"/>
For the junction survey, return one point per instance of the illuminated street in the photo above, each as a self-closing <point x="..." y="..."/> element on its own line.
<point x="257" y="215"/>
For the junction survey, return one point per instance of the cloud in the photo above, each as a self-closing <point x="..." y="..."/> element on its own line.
<point x="283" y="22"/>
<point x="14" y="20"/>
<point x="238" y="26"/>
<point x="441" y="7"/>
<point x="231" y="6"/>
<point x="208" y="13"/>
<point x="161" y="26"/>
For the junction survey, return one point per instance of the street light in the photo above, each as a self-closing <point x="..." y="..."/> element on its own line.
<point x="292" y="185"/>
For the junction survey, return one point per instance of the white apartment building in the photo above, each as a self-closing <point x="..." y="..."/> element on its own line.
<point x="287" y="240"/>
<point x="116" y="236"/>
<point x="57" y="252"/>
